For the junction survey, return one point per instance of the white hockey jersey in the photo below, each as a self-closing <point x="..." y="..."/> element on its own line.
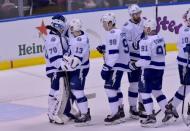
<point x="54" y="53"/>
<point x="183" y="40"/>
<point x="134" y="33"/>
<point x="117" y="51"/>
<point x="152" y="53"/>
<point x="80" y="48"/>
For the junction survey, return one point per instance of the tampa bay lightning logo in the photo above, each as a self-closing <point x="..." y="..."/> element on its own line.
<point x="79" y="39"/>
<point x="126" y="24"/>
<point x="136" y="42"/>
<point x="113" y="31"/>
<point x="53" y="39"/>
<point x="186" y="29"/>
<point x="122" y="34"/>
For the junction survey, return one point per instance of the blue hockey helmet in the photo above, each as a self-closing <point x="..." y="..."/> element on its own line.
<point x="58" y="22"/>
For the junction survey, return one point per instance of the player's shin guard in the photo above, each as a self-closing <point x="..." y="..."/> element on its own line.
<point x="81" y="99"/>
<point x="133" y="94"/>
<point x="160" y="98"/>
<point x="120" y="97"/>
<point x="178" y="98"/>
<point x="147" y="102"/>
<point x="113" y="100"/>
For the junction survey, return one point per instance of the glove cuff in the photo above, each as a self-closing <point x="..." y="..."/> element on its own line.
<point x="107" y="67"/>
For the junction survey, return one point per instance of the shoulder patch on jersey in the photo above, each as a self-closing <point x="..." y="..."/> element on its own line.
<point x="53" y="39"/>
<point x="145" y="38"/>
<point x="144" y="18"/>
<point x="112" y="31"/>
<point x="126" y="24"/>
<point x="122" y="34"/>
<point x="186" y="29"/>
<point x="79" y="39"/>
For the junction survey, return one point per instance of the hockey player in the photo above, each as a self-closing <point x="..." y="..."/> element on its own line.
<point x="79" y="48"/>
<point x="116" y="58"/>
<point x="55" y="47"/>
<point x="183" y="57"/>
<point x="152" y="62"/>
<point x="133" y="30"/>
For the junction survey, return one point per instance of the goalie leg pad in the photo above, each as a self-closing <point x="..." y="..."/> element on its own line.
<point x="57" y="99"/>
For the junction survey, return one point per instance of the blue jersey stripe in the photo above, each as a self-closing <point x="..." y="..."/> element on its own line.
<point x="86" y="63"/>
<point x="50" y="68"/>
<point x="146" y="57"/>
<point x="113" y="51"/>
<point x="134" y="55"/>
<point x="154" y="63"/>
<point x="121" y="65"/>
<point x="55" y="58"/>
<point x="183" y="60"/>
<point x="80" y="58"/>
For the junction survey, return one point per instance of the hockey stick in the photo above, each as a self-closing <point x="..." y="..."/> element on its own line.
<point x="156" y="113"/>
<point x="184" y="93"/>
<point x="156" y="3"/>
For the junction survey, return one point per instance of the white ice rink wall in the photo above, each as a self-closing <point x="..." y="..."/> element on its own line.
<point x="22" y="43"/>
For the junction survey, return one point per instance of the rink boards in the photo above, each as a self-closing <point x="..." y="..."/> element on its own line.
<point x="22" y="41"/>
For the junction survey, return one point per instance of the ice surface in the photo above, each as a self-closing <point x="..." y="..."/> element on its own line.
<point x="23" y="100"/>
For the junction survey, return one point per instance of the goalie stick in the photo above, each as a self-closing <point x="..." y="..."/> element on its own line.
<point x="187" y="123"/>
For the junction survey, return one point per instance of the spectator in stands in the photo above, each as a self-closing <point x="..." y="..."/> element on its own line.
<point x="8" y="10"/>
<point x="77" y="4"/>
<point x="108" y="3"/>
<point x="89" y="4"/>
<point x="40" y="3"/>
<point x="112" y="3"/>
<point x="128" y="2"/>
<point x="62" y="4"/>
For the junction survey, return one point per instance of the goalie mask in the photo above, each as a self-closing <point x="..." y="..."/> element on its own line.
<point x="59" y="22"/>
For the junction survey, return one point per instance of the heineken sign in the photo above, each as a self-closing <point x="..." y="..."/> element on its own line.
<point x="26" y="49"/>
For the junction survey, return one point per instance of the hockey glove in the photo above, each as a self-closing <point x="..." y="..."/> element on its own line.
<point x="132" y="66"/>
<point x="187" y="48"/>
<point x="101" y="49"/>
<point x="106" y="72"/>
<point x="64" y="65"/>
<point x="70" y="63"/>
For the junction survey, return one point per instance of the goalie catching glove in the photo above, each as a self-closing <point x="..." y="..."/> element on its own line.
<point x="70" y="63"/>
